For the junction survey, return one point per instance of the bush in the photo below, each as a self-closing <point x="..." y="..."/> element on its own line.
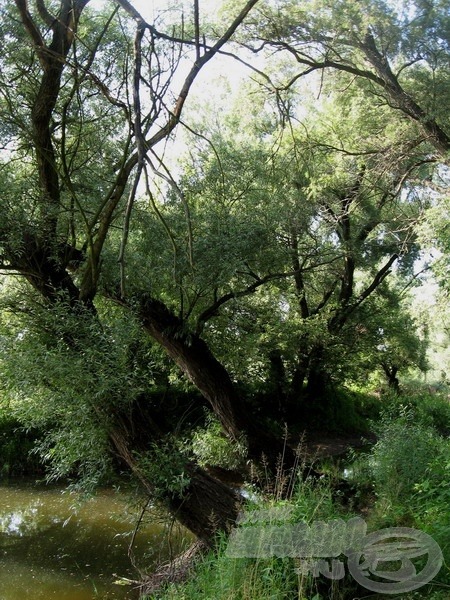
<point x="212" y="448"/>
<point x="431" y="502"/>
<point x="432" y="409"/>
<point x="401" y="456"/>
<point x="410" y="470"/>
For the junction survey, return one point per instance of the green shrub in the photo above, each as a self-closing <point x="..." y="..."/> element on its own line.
<point x="211" y="447"/>
<point x="164" y="464"/>
<point x="401" y="455"/>
<point x="432" y="409"/>
<point x="431" y="502"/>
<point x="410" y="470"/>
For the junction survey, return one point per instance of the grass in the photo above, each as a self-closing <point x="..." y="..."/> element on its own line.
<point x="222" y="577"/>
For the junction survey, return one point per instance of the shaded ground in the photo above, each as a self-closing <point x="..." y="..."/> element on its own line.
<point x="313" y="446"/>
<point x="318" y="446"/>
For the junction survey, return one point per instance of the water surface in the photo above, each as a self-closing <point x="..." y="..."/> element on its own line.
<point x="51" y="547"/>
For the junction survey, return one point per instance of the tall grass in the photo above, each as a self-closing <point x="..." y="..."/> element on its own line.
<point x="221" y="577"/>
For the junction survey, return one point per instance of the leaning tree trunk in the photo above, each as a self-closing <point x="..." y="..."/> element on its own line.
<point x="209" y="376"/>
<point x="205" y="506"/>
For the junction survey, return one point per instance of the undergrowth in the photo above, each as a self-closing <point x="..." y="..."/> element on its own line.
<point x="403" y="481"/>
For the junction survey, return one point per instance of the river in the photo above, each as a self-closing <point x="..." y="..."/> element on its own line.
<point x="52" y="547"/>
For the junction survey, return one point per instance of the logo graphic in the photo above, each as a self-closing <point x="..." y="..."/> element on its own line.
<point x="381" y="561"/>
<point x="404" y="545"/>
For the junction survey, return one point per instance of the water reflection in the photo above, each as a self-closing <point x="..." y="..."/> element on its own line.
<point x="48" y="550"/>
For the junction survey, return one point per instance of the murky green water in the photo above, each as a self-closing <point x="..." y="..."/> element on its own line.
<point x="48" y="550"/>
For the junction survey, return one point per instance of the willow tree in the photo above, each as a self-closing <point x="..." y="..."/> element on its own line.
<point x="395" y="59"/>
<point x="86" y="97"/>
<point x="397" y="53"/>
<point x="326" y="213"/>
<point x="111" y="246"/>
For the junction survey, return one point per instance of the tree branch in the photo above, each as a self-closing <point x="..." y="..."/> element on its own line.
<point x="212" y="311"/>
<point x="106" y="212"/>
<point x="197" y="29"/>
<point x="207" y="56"/>
<point x="131" y="10"/>
<point x="44" y="13"/>
<point x="32" y="28"/>
<point x="382" y="76"/>
<point x="140" y="144"/>
<point x="379" y="277"/>
<point x="342" y="314"/>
